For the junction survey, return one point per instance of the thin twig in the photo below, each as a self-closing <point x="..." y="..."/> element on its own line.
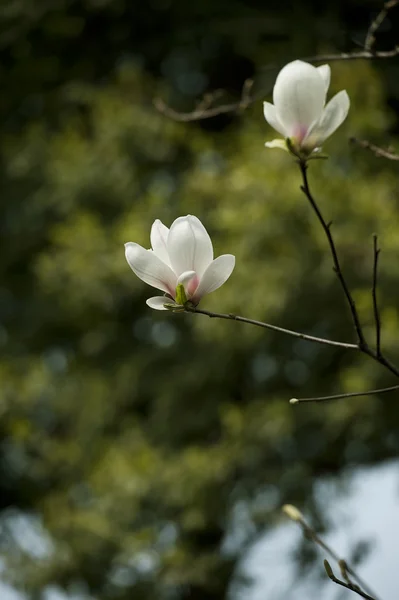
<point x="377" y="318"/>
<point x="297" y="334"/>
<point x="337" y="266"/>
<point x="295" y="515"/>
<point x="205" y="110"/>
<point x="345" y="395"/>
<point x="348" y="584"/>
<point x="380" y="152"/>
<point x="362" y="344"/>
<point x="376" y="24"/>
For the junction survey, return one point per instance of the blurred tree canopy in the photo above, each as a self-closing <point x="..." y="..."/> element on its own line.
<point x="136" y="440"/>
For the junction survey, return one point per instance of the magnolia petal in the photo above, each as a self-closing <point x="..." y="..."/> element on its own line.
<point x="159" y="240"/>
<point x="269" y="110"/>
<point x="299" y="97"/>
<point x="216" y="274"/>
<point x="325" y="72"/>
<point x="277" y="144"/>
<point x="149" y="268"/>
<point x="333" y="116"/>
<point x="189" y="246"/>
<point x="158" y="302"/>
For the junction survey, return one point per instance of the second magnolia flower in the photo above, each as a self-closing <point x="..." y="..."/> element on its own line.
<point x="180" y="256"/>
<point x="299" y="112"/>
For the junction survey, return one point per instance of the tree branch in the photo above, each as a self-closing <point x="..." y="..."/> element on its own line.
<point x="362" y="343"/>
<point x="380" y="152"/>
<point x="295" y="515"/>
<point x="297" y="334"/>
<point x="337" y="266"/>
<point x="348" y="584"/>
<point x="377" y="318"/>
<point x="344" y="395"/>
<point x="206" y="108"/>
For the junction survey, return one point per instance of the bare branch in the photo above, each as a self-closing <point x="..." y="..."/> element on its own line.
<point x="295" y="515"/>
<point x="376" y="24"/>
<point x="377" y="318"/>
<point x="362" y="343"/>
<point x="297" y="334"/>
<point x="337" y="266"/>
<point x="349" y="585"/>
<point x="345" y="395"/>
<point x="380" y="152"/>
<point x="206" y="107"/>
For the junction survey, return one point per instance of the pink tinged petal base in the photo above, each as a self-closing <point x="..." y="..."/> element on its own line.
<point x="158" y="302"/>
<point x="189" y="246"/>
<point x="190" y="281"/>
<point x="149" y="268"/>
<point x="215" y="276"/>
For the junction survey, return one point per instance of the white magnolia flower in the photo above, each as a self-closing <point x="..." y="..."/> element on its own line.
<point x="299" y="112"/>
<point x="183" y="255"/>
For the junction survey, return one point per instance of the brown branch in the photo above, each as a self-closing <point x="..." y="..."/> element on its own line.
<point x="376" y="24"/>
<point x="380" y="152"/>
<point x="344" y="395"/>
<point x="295" y="515"/>
<point x="377" y="318"/>
<point x="337" y="266"/>
<point x="206" y="108"/>
<point x="349" y="585"/>
<point x="297" y="334"/>
<point x="362" y="343"/>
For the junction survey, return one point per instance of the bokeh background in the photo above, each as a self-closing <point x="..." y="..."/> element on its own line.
<point x="147" y="455"/>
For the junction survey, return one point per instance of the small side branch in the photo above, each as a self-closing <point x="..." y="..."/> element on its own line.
<point x="377" y="318"/>
<point x="297" y="334"/>
<point x="349" y="585"/>
<point x="379" y="152"/>
<point x="392" y="388"/>
<point x="376" y="24"/>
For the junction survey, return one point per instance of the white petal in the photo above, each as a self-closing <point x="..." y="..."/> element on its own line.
<point x="277" y="144"/>
<point x="159" y="240"/>
<point x="269" y="110"/>
<point x="189" y="246"/>
<point x="216" y="274"/>
<point x="333" y="116"/>
<point x="299" y="96"/>
<point x="149" y="268"/>
<point x="157" y="302"/>
<point x="186" y="277"/>
<point x="325" y="72"/>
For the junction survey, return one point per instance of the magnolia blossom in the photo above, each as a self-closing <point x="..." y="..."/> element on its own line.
<point x="180" y="263"/>
<point x="299" y="112"/>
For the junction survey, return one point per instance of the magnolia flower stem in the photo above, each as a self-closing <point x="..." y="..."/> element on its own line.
<point x="297" y="334"/>
<point x="346" y="570"/>
<point x="362" y="343"/>
<point x="377" y="318"/>
<point x="337" y="266"/>
<point x="345" y="395"/>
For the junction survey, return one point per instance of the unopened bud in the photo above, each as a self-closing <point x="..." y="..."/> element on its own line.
<point x="292" y="512"/>
<point x="294" y="401"/>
